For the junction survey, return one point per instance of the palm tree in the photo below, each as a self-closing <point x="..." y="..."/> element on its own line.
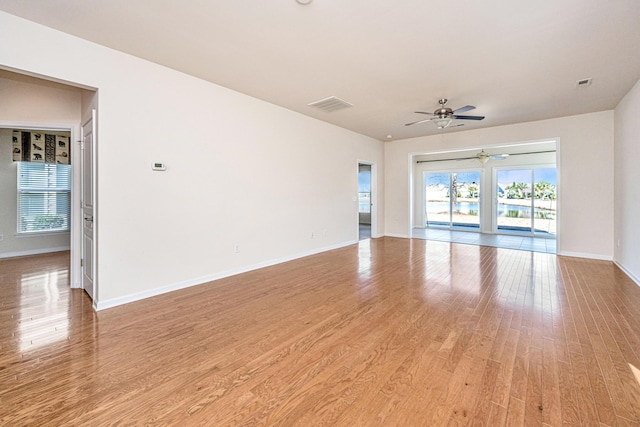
<point x="473" y="191"/>
<point x="516" y="190"/>
<point x="545" y="190"/>
<point x="454" y="191"/>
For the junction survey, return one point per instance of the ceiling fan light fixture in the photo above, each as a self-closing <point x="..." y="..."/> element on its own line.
<point x="443" y="123"/>
<point x="483" y="157"/>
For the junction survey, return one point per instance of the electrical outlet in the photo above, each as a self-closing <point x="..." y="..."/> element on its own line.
<point x="237" y="248"/>
<point x="1" y="236"/>
<point x="313" y="235"/>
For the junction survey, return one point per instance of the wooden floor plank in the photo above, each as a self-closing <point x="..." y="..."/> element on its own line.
<point x="386" y="332"/>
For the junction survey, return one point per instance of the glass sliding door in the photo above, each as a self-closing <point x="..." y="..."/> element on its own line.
<point x="438" y="205"/>
<point x="466" y="204"/>
<point x="514" y="201"/>
<point x="452" y="200"/>
<point x="545" y="198"/>
<point x="526" y="201"/>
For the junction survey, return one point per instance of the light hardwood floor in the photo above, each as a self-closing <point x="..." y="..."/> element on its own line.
<point x="390" y="332"/>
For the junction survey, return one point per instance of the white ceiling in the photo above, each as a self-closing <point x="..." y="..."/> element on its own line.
<point x="515" y="60"/>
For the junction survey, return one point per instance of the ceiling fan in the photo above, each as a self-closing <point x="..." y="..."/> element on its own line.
<point x="444" y="116"/>
<point x="482" y="157"/>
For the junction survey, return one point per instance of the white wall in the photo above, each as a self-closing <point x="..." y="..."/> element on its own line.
<point x="585" y="217"/>
<point x="239" y="171"/>
<point x="627" y="178"/>
<point x="25" y="102"/>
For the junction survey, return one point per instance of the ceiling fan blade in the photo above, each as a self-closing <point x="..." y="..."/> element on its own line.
<point x="464" y="109"/>
<point x="424" y="112"/>
<point x="419" y="121"/>
<point x="467" y="117"/>
<point x="446" y="160"/>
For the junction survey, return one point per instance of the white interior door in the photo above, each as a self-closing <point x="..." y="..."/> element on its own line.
<point x="88" y="198"/>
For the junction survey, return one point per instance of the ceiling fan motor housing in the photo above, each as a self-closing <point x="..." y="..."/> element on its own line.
<point x="443" y="113"/>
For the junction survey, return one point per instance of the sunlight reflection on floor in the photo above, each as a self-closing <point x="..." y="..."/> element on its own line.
<point x="46" y="321"/>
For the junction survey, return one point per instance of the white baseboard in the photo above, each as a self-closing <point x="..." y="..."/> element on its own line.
<point x="34" y="252"/>
<point x="114" y="302"/>
<point x="627" y="272"/>
<point x="402" y="236"/>
<point x="585" y="255"/>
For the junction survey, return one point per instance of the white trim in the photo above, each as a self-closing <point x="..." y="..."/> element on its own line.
<point x="55" y="126"/>
<point x="34" y="252"/>
<point x="401" y="236"/>
<point x="635" y="279"/>
<point x="114" y="302"/>
<point x="585" y="255"/>
<point x="26" y="234"/>
<point x="559" y="186"/>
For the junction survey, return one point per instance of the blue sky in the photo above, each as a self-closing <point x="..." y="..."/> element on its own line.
<point x="524" y="175"/>
<point x="443" y="178"/>
<point x="364" y="182"/>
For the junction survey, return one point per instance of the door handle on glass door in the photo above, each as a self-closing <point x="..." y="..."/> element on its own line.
<point x="88" y="218"/>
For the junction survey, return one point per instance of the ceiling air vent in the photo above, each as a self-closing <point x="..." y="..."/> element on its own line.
<point x="330" y="104"/>
<point x="584" y="83"/>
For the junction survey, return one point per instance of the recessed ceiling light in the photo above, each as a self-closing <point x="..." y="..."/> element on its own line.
<point x="304" y="1"/>
<point x="389" y="136"/>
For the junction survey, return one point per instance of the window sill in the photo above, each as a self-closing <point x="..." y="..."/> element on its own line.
<point x="41" y="233"/>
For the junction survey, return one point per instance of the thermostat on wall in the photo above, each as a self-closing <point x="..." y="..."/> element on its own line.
<point x="158" y="166"/>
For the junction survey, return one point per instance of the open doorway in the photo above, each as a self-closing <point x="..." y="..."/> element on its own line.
<point x="35" y="189"/>
<point x="51" y="217"/>
<point x="366" y="194"/>
<point x="508" y="195"/>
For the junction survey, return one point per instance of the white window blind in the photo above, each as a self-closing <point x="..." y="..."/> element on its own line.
<point x="44" y="197"/>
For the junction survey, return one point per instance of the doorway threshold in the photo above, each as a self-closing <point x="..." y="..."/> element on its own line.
<point x="523" y="243"/>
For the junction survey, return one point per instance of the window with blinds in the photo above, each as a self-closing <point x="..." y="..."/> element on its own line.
<point x="44" y="197"/>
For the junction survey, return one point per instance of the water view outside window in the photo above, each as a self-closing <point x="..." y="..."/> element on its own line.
<point x="522" y="192"/>
<point x="453" y="199"/>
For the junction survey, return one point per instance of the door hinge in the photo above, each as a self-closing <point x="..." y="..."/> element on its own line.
<point x="81" y="262"/>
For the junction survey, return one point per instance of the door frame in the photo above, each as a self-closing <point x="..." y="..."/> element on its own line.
<point x="75" y="225"/>
<point x="374" y="198"/>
